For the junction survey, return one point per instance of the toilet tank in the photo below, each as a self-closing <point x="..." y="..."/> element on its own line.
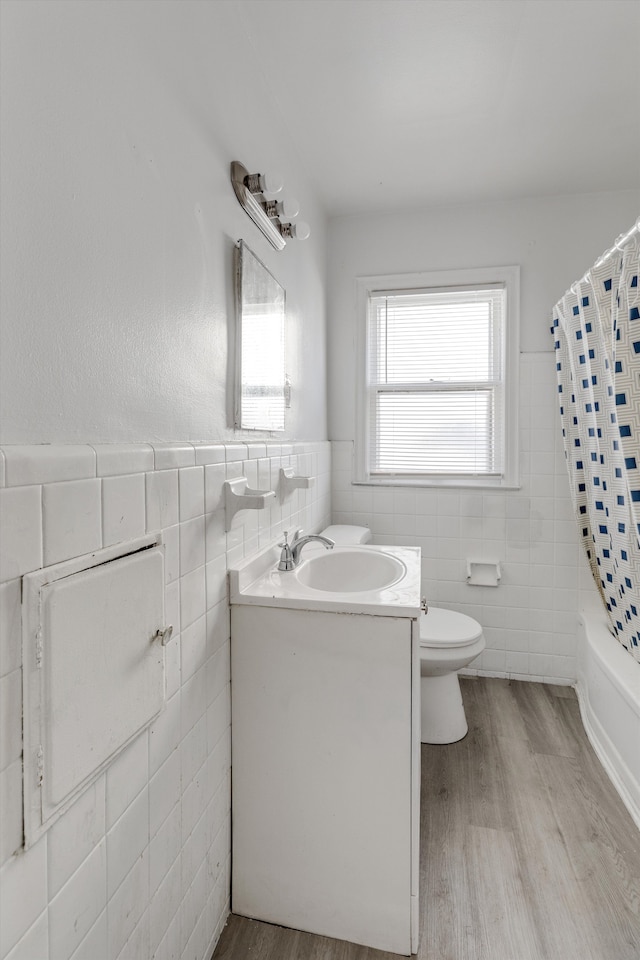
<point x="344" y="533"/>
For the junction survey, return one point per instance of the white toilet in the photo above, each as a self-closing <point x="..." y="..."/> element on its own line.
<point x="448" y="642"/>
<point x="347" y="533"/>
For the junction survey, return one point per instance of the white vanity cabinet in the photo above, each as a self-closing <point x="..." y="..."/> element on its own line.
<point x="325" y="754"/>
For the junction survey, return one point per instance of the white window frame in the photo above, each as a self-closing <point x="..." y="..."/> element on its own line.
<point x="509" y="276"/>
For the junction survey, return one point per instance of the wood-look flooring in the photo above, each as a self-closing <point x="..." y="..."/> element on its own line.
<point x="527" y="852"/>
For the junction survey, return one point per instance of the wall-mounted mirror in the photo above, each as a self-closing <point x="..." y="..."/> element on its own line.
<point x="260" y="345"/>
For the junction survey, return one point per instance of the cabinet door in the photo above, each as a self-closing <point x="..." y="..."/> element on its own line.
<point x="322" y="759"/>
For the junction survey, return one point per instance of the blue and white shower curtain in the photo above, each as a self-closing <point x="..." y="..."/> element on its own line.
<point x="596" y="328"/>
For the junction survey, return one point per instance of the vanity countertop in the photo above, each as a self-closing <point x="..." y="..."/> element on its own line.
<point x="257" y="581"/>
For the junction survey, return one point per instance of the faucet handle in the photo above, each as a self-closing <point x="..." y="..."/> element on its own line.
<point x="286" y="557"/>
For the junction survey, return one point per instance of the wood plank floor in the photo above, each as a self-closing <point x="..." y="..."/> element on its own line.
<point x="527" y="852"/>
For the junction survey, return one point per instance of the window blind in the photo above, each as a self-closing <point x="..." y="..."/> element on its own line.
<point x="436" y="382"/>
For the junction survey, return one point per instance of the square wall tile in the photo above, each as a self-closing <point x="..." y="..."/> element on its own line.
<point x="126" y="777"/>
<point x="192" y="545"/>
<point x="139" y="942"/>
<point x="167" y="456"/>
<point x="21" y="526"/>
<point x="235" y="452"/>
<point x="11" y="808"/>
<point x="172" y="666"/>
<point x="23" y="894"/>
<point x="193" y="647"/>
<point x="162" y="499"/>
<point x="209" y="453"/>
<point x="214" y="478"/>
<point x="164" y="734"/>
<point x="216" y="576"/>
<point x="193" y="700"/>
<point x="165" y="848"/>
<point x="218" y="627"/>
<point x="117" y="459"/>
<point x="128" y="904"/>
<point x="164" y="791"/>
<point x="95" y="945"/>
<point x="215" y="535"/>
<point x="10" y="718"/>
<point x="72" y="838"/>
<point x="10" y="627"/>
<point x="165" y="905"/>
<point x="35" y="943"/>
<point x="123" y="508"/>
<point x="193" y="597"/>
<point x="171" y="540"/>
<point x="194" y="752"/>
<point x="72" y="519"/>
<point x="172" y="606"/>
<point x="191" y="490"/>
<point x="48" y="464"/>
<point x="126" y="841"/>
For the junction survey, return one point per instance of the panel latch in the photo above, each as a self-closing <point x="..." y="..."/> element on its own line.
<point x="163" y="635"/>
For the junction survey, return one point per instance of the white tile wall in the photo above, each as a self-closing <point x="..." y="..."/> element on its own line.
<point x="123" y="508"/>
<point x="530" y="619"/>
<point x="139" y="866"/>
<point x="71" y="519"/>
<point x="21" y="525"/>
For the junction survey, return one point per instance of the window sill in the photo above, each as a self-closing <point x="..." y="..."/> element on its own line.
<point x="442" y="483"/>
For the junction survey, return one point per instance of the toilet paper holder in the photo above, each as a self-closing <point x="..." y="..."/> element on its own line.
<point x="482" y="573"/>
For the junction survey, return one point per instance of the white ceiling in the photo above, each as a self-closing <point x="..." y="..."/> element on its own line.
<point x="395" y="103"/>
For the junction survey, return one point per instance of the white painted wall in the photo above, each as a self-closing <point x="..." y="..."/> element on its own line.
<point x="530" y="620"/>
<point x="119" y="122"/>
<point x="554" y="240"/>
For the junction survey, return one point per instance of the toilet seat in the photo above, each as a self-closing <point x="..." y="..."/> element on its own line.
<point x="447" y="628"/>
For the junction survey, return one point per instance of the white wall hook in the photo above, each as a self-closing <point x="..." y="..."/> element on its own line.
<point x="290" y="482"/>
<point x="239" y="496"/>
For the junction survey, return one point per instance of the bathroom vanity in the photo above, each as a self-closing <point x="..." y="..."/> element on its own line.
<point x="325" y="745"/>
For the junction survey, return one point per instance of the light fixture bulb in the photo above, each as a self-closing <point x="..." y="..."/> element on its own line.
<point x="300" y="230"/>
<point x="281" y="208"/>
<point x="264" y="182"/>
<point x="271" y="182"/>
<point x="297" y="231"/>
<point x="288" y="208"/>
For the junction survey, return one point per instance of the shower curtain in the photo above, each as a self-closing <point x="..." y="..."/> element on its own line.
<point x="596" y="327"/>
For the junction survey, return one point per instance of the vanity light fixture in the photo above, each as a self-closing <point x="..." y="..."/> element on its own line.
<point x="250" y="189"/>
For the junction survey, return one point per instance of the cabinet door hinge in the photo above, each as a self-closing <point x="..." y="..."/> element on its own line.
<point x="40" y="765"/>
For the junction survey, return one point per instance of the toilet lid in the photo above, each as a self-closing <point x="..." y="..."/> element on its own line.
<point x="441" y="628"/>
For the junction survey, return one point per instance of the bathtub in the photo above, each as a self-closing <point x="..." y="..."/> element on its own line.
<point x="608" y="688"/>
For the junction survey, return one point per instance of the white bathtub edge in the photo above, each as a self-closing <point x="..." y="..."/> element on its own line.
<point x="617" y="770"/>
<point x="602" y="660"/>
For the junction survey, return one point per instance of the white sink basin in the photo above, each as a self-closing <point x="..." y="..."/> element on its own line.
<point x="350" y="571"/>
<point x="371" y="579"/>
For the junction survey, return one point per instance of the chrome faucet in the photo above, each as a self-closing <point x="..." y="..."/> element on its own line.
<point x="290" y="556"/>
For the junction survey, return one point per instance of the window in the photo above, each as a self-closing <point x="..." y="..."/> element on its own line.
<point x="439" y="359"/>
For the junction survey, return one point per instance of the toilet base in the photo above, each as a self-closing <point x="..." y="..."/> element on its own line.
<point x="442" y="718"/>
